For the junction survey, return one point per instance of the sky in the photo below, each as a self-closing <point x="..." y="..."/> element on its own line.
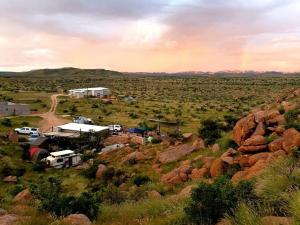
<point x="150" y="35"/>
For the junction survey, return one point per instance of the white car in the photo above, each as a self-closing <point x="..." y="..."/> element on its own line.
<point x="27" y="130"/>
<point x="115" y="128"/>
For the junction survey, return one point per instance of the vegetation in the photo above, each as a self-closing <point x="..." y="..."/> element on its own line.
<point x="210" y="202"/>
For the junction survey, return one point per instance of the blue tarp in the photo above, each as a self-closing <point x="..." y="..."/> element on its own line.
<point x="135" y="130"/>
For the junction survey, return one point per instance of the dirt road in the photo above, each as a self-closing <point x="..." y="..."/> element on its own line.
<point x="50" y="119"/>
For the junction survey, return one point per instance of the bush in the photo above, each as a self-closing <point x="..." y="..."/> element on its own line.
<point x="291" y="119"/>
<point x="52" y="199"/>
<point x="6" y="122"/>
<point x="39" y="167"/>
<point x="140" y="180"/>
<point x="210" y="202"/>
<point x="210" y="131"/>
<point x="111" y="194"/>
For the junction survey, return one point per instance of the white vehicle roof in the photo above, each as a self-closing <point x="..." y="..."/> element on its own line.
<point x="82" y="127"/>
<point x="60" y="153"/>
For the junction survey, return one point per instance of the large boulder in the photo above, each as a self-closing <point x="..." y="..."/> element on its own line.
<point x="207" y="161"/>
<point x="291" y="139"/>
<point x="199" y="144"/>
<point x="13" y="137"/>
<point x="243" y="160"/>
<point x="23" y="197"/>
<point x="100" y="171"/>
<point x="243" y="129"/>
<point x="215" y="148"/>
<point x="198" y="174"/>
<point x="255" y="141"/>
<point x="153" y="194"/>
<point x="218" y="167"/>
<point x="77" y="219"/>
<point x="288" y="105"/>
<point x="3" y="212"/>
<point x="253" y="149"/>
<point x="117" y="139"/>
<point x="238" y="176"/>
<point x="260" y="116"/>
<point x="174" y="153"/>
<point x="251" y="172"/>
<point x="256" y="169"/>
<point x="10" y="179"/>
<point x="256" y="157"/>
<point x="138" y="156"/>
<point x="9" y="219"/>
<point x="138" y="140"/>
<point x="260" y="129"/>
<point x="177" y="176"/>
<point x="187" y="136"/>
<point x="228" y="156"/>
<point x="276" y="145"/>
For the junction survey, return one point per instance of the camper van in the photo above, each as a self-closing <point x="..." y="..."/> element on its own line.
<point x="60" y="159"/>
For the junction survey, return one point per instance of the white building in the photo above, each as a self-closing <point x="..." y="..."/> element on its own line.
<point x="98" y="92"/>
<point x="83" y="128"/>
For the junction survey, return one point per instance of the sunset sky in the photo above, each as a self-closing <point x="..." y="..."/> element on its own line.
<point x="150" y="35"/>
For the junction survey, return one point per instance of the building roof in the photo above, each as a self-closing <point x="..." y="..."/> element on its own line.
<point x="60" y="153"/>
<point x="82" y="127"/>
<point x="11" y="103"/>
<point x="90" y="89"/>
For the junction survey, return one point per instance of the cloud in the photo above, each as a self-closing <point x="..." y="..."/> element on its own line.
<point x="150" y="35"/>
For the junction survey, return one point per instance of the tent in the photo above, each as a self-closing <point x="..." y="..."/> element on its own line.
<point x="36" y="153"/>
<point x="135" y="130"/>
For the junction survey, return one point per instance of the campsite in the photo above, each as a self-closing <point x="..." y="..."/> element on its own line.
<point x="133" y="156"/>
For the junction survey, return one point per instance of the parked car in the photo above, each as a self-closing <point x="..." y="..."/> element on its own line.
<point x="27" y="130"/>
<point x="115" y="128"/>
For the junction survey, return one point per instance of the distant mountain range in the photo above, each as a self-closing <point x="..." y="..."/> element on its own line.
<point x="75" y="72"/>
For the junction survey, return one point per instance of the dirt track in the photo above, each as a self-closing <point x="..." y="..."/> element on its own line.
<point x="49" y="118"/>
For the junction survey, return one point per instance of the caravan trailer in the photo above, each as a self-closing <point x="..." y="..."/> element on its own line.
<point x="60" y="159"/>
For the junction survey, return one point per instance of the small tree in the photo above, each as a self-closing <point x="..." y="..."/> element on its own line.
<point x="210" y="131"/>
<point x="210" y="202"/>
<point x="52" y="199"/>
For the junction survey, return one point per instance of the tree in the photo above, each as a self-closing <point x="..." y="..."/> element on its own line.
<point x="210" y="130"/>
<point x="53" y="200"/>
<point x="210" y="202"/>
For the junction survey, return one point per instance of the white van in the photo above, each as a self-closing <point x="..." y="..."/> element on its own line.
<point x="60" y="159"/>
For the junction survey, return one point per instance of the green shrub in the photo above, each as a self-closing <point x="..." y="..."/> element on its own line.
<point x="111" y="194"/>
<point x="53" y="200"/>
<point x="245" y="215"/>
<point x="291" y="119"/>
<point x="6" y="122"/>
<point x="210" y="131"/>
<point x="140" y="180"/>
<point x="210" y="202"/>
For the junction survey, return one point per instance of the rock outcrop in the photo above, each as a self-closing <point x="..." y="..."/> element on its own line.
<point x="100" y="171"/>
<point x="174" y="153"/>
<point x="177" y="176"/>
<point x="77" y="219"/>
<point x="23" y="197"/>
